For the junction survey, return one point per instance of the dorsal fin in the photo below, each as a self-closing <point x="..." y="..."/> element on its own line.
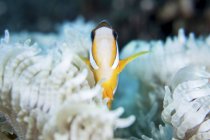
<point x="103" y="23"/>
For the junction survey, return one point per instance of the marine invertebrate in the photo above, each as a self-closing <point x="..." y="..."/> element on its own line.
<point x="48" y="93"/>
<point x="187" y="103"/>
<point x="152" y="72"/>
<point x="166" y="58"/>
<point x="76" y="33"/>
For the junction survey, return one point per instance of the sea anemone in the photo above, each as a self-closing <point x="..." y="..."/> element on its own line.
<point x="49" y="93"/>
<point x="187" y="103"/>
<point x="141" y="86"/>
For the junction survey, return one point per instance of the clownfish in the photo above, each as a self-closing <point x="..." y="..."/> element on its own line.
<point x="104" y="59"/>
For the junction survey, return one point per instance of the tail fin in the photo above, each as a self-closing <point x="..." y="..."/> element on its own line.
<point x="109" y="104"/>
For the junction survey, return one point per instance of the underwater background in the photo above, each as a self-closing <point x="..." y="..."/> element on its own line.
<point x="132" y="19"/>
<point x="162" y="95"/>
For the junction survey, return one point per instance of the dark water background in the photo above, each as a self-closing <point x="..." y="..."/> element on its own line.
<point x="133" y="19"/>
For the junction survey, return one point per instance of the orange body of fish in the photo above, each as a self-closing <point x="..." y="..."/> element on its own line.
<point x="104" y="59"/>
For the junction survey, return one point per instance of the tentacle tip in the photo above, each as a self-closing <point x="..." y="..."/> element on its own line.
<point x="132" y="119"/>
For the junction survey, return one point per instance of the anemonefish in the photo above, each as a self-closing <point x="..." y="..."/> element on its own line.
<point x="104" y="59"/>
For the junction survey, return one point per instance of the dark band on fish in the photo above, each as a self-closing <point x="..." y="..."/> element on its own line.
<point x="115" y="34"/>
<point x="103" y="23"/>
<point x="92" y="35"/>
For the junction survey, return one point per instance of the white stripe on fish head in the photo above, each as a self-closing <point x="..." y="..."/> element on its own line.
<point x="116" y="61"/>
<point x="92" y="61"/>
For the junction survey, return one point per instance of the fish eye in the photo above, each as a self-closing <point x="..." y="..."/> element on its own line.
<point x="92" y="35"/>
<point x="115" y="34"/>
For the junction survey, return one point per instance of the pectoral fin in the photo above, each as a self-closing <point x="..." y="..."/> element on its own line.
<point x="129" y="59"/>
<point x="86" y="60"/>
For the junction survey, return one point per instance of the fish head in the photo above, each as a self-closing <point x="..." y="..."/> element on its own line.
<point x="104" y="49"/>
